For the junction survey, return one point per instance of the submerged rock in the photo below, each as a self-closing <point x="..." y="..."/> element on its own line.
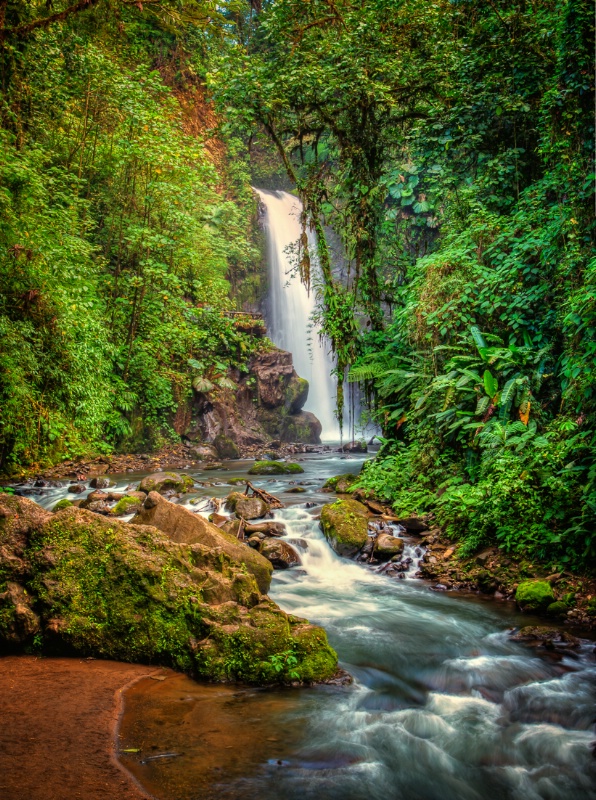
<point x="79" y="583"/>
<point x="161" y="481"/>
<point x="345" y="525"/>
<point x="274" y="468"/>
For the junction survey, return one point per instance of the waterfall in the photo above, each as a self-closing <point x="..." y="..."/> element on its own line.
<point x="289" y="310"/>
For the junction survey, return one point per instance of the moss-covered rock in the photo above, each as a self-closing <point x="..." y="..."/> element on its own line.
<point x="161" y="481"/>
<point x="340" y="483"/>
<point x="75" y="582"/>
<point x="301" y="427"/>
<point x="274" y="468"/>
<point x="226" y="447"/>
<point x="246" y="507"/>
<point x="64" y="503"/>
<point x="534" y="595"/>
<point x="345" y="525"/>
<point x="296" y="394"/>
<point x="387" y="546"/>
<point x="557" y="609"/>
<point x="126" y="505"/>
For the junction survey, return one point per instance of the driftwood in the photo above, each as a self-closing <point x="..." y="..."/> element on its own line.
<point x="240" y="534"/>
<point x="270" y="499"/>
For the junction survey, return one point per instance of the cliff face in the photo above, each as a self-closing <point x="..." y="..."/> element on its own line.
<point x="264" y="405"/>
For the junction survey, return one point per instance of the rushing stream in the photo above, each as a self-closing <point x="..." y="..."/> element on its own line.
<point x="443" y="704"/>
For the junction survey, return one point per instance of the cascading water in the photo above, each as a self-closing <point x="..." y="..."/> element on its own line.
<point x="290" y="307"/>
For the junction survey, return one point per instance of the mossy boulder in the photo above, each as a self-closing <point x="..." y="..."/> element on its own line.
<point x="127" y="505"/>
<point x="557" y="609"/>
<point x="161" y="481"/>
<point x="345" y="525"/>
<point x="246" y="507"/>
<point x="340" y="483"/>
<point x="64" y="503"/>
<point x="275" y="468"/>
<point x="77" y="583"/>
<point x="296" y="394"/>
<point x="301" y="427"/>
<point x="226" y="447"/>
<point x="534" y="595"/>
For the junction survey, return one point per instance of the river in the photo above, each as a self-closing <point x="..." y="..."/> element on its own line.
<point x="443" y="705"/>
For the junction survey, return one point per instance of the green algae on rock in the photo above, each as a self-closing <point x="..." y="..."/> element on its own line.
<point x="75" y="582"/>
<point x="64" y="503"/>
<point x="534" y="595"/>
<point x="345" y="525"/>
<point x="274" y="468"/>
<point x="126" y="505"/>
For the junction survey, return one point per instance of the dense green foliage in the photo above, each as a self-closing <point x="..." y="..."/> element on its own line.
<point x="120" y="224"/>
<point x="450" y="145"/>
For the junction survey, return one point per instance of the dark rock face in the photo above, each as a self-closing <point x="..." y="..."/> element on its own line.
<point x="264" y="404"/>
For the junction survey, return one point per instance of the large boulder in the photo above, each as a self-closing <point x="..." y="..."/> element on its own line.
<point x="185" y="527"/>
<point x="340" y="483"/>
<point x="246" y="507"/>
<point x="301" y="427"/>
<point x="345" y="525"/>
<point x="74" y="582"/>
<point x="161" y="481"/>
<point x="274" y="468"/>
<point x="281" y="554"/>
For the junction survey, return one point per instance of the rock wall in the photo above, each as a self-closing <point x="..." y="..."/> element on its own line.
<point x="264" y="405"/>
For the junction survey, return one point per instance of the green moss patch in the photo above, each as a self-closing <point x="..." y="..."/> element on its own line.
<point x="274" y="468"/>
<point x="345" y="525"/>
<point x="534" y="595"/>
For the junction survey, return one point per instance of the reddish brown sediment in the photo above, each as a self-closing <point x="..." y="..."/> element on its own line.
<point x="59" y="727"/>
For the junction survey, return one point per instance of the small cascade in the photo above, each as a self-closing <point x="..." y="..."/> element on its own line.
<point x="290" y="307"/>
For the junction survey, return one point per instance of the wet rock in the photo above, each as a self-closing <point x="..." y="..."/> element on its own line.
<point x="99" y="483"/>
<point x="345" y="525"/>
<point x="246" y="507"/>
<point x="98" y="507"/>
<point x="77" y="488"/>
<point x="557" y="609"/>
<point x="214" y="465"/>
<point x="414" y="524"/>
<point x="274" y="468"/>
<point x="354" y="447"/>
<point x="387" y="546"/>
<point x="162" y="481"/>
<point x="281" y="554"/>
<point x="541" y="635"/>
<point x="218" y="519"/>
<point x="296" y="490"/>
<point x="534" y="595"/>
<point x="268" y="527"/>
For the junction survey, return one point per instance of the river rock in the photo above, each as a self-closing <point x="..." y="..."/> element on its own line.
<point x="542" y="635"/>
<point x="128" y="504"/>
<point x="77" y="488"/>
<point x="339" y="483"/>
<point x="345" y="525"/>
<point x="85" y="585"/>
<point x="388" y="546"/>
<point x="162" y="481"/>
<point x="184" y="527"/>
<point x="203" y="452"/>
<point x="301" y="427"/>
<point x="268" y="527"/>
<point x="246" y="507"/>
<point x="354" y="447"/>
<point x="275" y="468"/>
<point x="281" y="554"/>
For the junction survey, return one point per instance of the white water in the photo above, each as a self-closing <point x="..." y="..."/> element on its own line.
<point x="290" y="307"/>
